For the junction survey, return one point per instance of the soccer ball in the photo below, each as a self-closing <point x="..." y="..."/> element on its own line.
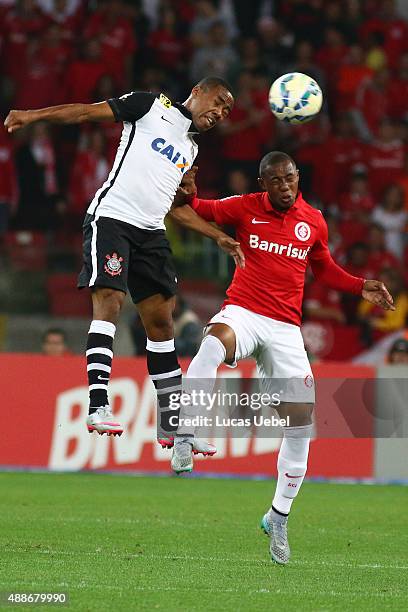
<point x="295" y="98"/>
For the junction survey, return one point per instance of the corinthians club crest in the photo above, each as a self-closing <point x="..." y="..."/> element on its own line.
<point x="113" y="266"/>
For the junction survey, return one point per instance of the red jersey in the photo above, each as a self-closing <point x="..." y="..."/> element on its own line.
<point x="385" y="161"/>
<point x="277" y="248"/>
<point x="117" y="42"/>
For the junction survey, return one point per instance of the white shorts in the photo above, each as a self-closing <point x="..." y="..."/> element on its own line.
<point x="278" y="349"/>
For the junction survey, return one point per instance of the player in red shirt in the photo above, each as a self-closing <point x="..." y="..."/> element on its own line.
<point x="279" y="234"/>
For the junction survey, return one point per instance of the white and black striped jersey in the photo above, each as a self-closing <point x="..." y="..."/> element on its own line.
<point x="156" y="148"/>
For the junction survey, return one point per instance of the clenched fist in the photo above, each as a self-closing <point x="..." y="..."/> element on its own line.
<point x="17" y="119"/>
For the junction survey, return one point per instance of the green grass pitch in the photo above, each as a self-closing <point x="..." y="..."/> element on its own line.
<point x="138" y="543"/>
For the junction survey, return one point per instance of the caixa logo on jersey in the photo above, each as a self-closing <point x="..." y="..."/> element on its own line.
<point x="176" y="158"/>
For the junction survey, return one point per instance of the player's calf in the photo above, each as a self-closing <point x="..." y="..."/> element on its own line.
<point x="99" y="355"/>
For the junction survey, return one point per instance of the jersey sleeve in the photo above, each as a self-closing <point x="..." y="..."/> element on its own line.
<point x="132" y="106"/>
<point x="326" y="270"/>
<point x="224" y="212"/>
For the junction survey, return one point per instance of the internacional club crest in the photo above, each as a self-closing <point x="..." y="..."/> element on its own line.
<point x="113" y="266"/>
<point x="302" y="231"/>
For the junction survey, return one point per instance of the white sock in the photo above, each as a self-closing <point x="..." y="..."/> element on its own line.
<point x="292" y="465"/>
<point x="204" y="366"/>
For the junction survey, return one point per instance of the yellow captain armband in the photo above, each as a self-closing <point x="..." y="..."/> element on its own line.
<point x="165" y="100"/>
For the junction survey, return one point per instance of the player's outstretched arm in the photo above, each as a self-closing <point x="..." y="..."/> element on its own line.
<point x="65" y="113"/>
<point x="185" y="216"/>
<point x="328" y="272"/>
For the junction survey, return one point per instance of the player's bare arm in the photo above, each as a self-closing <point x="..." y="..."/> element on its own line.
<point x="64" y="113"/>
<point x="185" y="216"/>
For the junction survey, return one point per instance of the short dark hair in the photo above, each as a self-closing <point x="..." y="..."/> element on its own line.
<point x="273" y="158"/>
<point x="214" y="81"/>
<point x="54" y="330"/>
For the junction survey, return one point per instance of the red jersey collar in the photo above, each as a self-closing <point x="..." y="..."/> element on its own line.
<point x="269" y="208"/>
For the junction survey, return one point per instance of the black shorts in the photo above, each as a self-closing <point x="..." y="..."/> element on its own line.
<point x="121" y="256"/>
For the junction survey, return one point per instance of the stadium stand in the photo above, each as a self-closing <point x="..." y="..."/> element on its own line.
<point x="353" y="158"/>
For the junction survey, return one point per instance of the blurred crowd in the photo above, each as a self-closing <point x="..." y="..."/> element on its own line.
<point x="353" y="158"/>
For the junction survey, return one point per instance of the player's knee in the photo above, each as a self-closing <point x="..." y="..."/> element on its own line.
<point x="296" y="415"/>
<point x="107" y="304"/>
<point x="303" y="416"/>
<point x="226" y="336"/>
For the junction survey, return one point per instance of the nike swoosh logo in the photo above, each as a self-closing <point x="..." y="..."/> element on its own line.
<point x="164" y="119"/>
<point x="255" y="222"/>
<point x="102" y="378"/>
<point x="289" y="476"/>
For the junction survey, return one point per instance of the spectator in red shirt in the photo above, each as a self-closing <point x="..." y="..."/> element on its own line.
<point x="351" y="74"/>
<point x="306" y="141"/>
<point x="331" y="56"/>
<point x="339" y="154"/>
<point x="385" y="157"/>
<point x="357" y="203"/>
<point x="84" y="74"/>
<point x="260" y="96"/>
<point x="20" y="23"/>
<point x="8" y="182"/>
<point x="166" y="45"/>
<point x="242" y="141"/>
<point x="379" y="257"/>
<point x="41" y="77"/>
<point x="358" y="260"/>
<point x="373" y="102"/>
<point x="67" y="14"/>
<point x="90" y="170"/>
<point x="117" y="40"/>
<point x="393" y="29"/>
<point x="37" y="82"/>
